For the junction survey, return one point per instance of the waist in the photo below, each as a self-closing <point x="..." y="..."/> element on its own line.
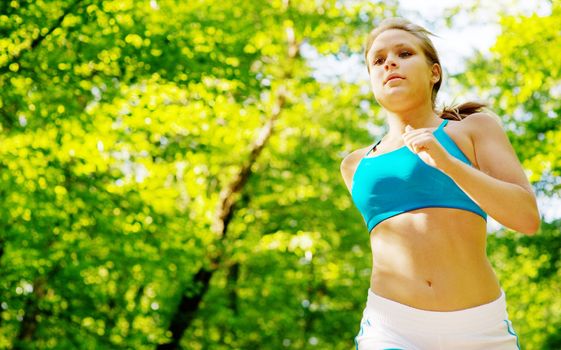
<point x="433" y="262"/>
<point x="438" y="292"/>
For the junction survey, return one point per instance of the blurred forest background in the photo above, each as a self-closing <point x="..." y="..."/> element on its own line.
<point x="170" y="172"/>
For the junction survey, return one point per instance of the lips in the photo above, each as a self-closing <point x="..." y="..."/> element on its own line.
<point x="393" y="76"/>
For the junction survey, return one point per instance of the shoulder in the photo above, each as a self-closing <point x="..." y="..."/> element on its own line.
<point x="495" y="154"/>
<point x="483" y="125"/>
<point x="349" y="164"/>
<point x="472" y="132"/>
<point x="491" y="143"/>
<point x="350" y="161"/>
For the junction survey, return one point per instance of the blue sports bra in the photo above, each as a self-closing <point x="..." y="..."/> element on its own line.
<point x="399" y="181"/>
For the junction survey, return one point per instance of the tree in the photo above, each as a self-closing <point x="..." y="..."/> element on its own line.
<point x="123" y="122"/>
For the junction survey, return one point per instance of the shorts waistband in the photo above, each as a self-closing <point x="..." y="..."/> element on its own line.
<point x="395" y="314"/>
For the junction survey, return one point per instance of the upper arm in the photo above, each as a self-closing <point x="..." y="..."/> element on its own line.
<point x="493" y="151"/>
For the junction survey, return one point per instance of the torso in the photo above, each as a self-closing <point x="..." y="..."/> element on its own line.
<point x="431" y="258"/>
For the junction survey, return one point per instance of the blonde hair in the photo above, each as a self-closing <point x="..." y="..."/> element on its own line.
<point x="455" y="112"/>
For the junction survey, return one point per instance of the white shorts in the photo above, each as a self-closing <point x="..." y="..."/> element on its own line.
<point x="387" y="324"/>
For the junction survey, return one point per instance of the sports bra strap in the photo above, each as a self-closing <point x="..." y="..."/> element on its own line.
<point x="443" y="124"/>
<point x="371" y="148"/>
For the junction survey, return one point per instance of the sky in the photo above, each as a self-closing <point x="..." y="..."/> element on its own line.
<point x="471" y="32"/>
<point x="476" y="32"/>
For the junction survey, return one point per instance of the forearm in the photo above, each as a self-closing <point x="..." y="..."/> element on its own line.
<point x="510" y="204"/>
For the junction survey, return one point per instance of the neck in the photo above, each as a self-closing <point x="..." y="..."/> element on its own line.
<point x="418" y="117"/>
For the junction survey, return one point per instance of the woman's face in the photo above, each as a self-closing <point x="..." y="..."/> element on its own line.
<point x="398" y="52"/>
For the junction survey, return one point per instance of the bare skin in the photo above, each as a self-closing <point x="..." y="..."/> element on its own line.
<point x="435" y="258"/>
<point x="430" y="258"/>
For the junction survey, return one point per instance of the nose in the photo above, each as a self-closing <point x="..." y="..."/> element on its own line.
<point x="390" y="64"/>
<point x="390" y="61"/>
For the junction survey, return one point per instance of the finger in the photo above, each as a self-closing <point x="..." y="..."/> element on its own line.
<point x="420" y="147"/>
<point x="416" y="133"/>
<point x="422" y="143"/>
<point x="417" y="146"/>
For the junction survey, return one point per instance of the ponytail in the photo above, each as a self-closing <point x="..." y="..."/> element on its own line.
<point x="461" y="111"/>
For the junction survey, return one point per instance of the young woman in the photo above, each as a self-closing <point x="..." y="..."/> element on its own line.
<point x="425" y="190"/>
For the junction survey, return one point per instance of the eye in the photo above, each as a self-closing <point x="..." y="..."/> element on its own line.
<point x="406" y="52"/>
<point x="377" y="61"/>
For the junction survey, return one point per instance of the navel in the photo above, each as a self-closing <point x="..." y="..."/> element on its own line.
<point x="429" y="283"/>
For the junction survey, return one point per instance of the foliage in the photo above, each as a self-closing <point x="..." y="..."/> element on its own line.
<point x="523" y="76"/>
<point x="529" y="269"/>
<point x="122" y="121"/>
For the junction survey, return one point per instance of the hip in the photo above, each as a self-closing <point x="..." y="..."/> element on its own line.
<point x="389" y="324"/>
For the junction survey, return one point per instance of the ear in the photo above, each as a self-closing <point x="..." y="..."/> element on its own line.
<point x="436" y="73"/>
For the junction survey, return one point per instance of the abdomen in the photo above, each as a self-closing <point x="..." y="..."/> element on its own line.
<point x="433" y="258"/>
